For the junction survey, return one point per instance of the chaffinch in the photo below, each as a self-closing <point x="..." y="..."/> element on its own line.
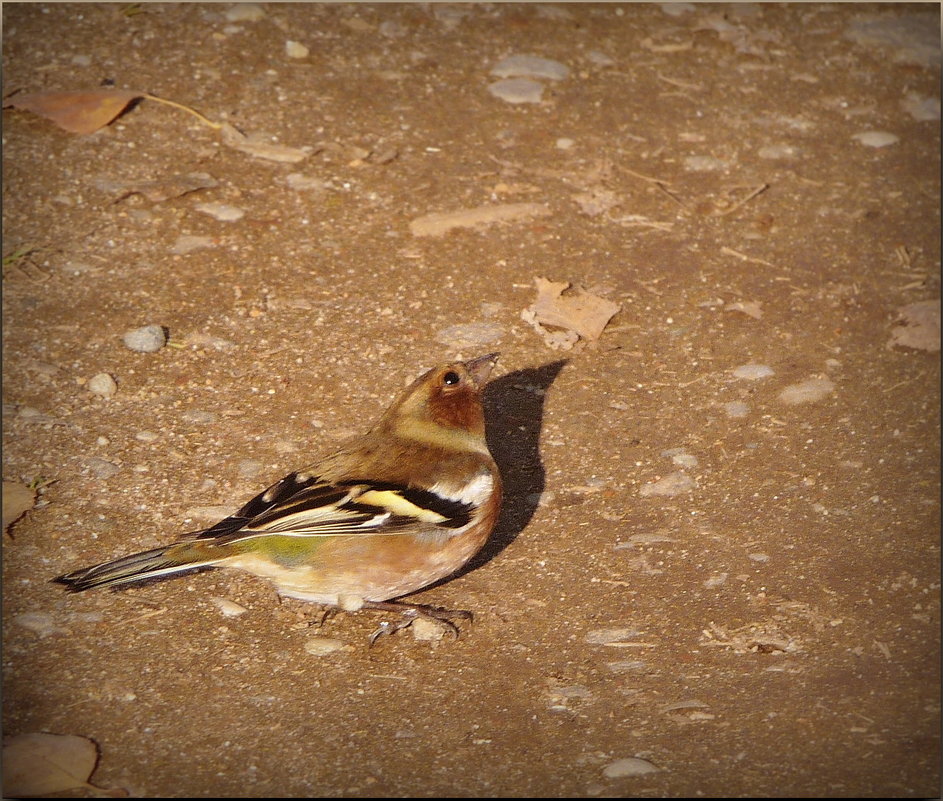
<point x="392" y="511"/>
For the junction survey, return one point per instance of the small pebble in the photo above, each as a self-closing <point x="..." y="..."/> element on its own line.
<point x="227" y="607"/>
<point x="296" y="50"/>
<point x="41" y="624"/>
<point x="187" y="243"/>
<point x="221" y="211"/>
<point x="564" y="143"/>
<point x="628" y="766"/>
<point x="102" y="384"/>
<point x="147" y="339"/>
<point x="752" y="372"/>
<point x="517" y="90"/>
<point x="807" y="391"/>
<point x="610" y="636"/>
<point x="245" y="12"/>
<point x="147" y="436"/>
<point x="736" y="409"/>
<point x="198" y="416"/>
<point x="426" y="630"/>
<point x="322" y="646"/>
<point x="469" y="335"/>
<point x="670" y="485"/>
<point x="522" y="66"/>
<point x="876" y="138"/>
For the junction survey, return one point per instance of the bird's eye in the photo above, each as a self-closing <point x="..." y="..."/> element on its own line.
<point x="451" y="378"/>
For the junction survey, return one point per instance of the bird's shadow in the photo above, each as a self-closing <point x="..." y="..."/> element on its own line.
<point x="514" y="413"/>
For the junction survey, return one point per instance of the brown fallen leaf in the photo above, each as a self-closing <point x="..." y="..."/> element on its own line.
<point x="77" y="112"/>
<point x="17" y="500"/>
<point x="38" y="764"/>
<point x="580" y="314"/>
<point x="84" y="112"/>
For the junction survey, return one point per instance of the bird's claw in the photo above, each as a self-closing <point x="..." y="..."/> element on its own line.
<point x="409" y="613"/>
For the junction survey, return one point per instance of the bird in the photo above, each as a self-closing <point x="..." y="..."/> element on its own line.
<point x="389" y="512"/>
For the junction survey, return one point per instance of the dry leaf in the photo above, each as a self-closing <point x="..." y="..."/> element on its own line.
<point x="77" y="112"/>
<point x="580" y="313"/>
<point x="921" y="329"/>
<point x="17" y="500"/>
<point x="84" y="112"/>
<point x="38" y="764"/>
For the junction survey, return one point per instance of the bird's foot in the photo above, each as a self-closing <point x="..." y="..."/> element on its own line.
<point x="409" y="613"/>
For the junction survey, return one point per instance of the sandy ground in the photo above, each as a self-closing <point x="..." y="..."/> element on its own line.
<point x="705" y="580"/>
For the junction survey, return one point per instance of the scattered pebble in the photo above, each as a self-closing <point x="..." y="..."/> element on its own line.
<point x="249" y="468"/>
<point x="296" y="49"/>
<point x="100" y="468"/>
<point x="716" y="580"/>
<point x="517" y="90"/>
<point x="876" y="138"/>
<point x="426" y="630"/>
<point x="752" y="372"/>
<point x="40" y="623"/>
<point x="187" y="244"/>
<point x="921" y="108"/>
<point x="245" y="12"/>
<point x="208" y="514"/>
<point x="322" y="646"/>
<point x="147" y="339"/>
<point x="198" y="416"/>
<point x="564" y="143"/>
<point x="681" y="457"/>
<point x="628" y="766"/>
<point x="305" y="183"/>
<point x="469" y="335"/>
<point x="147" y="436"/>
<point x="610" y="636"/>
<point x="758" y="557"/>
<point x="672" y="484"/>
<point x="221" y="211"/>
<point x="813" y="389"/>
<point x="704" y="163"/>
<point x="599" y="59"/>
<point x="440" y="223"/>
<point x="102" y="384"/>
<point x="736" y="409"/>
<point x="627" y="666"/>
<point x="523" y="66"/>
<point x="227" y="607"/>
<point x="774" y="152"/>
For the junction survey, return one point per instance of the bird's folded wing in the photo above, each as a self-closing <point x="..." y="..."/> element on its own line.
<point x="304" y="506"/>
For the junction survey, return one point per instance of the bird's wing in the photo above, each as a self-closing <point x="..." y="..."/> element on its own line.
<point x="301" y="505"/>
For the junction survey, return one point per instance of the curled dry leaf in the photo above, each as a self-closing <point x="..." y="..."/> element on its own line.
<point x="580" y="314"/>
<point x="77" y="112"/>
<point x="38" y="764"/>
<point x="17" y="500"/>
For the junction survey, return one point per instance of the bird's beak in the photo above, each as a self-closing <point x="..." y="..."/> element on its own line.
<point x="481" y="367"/>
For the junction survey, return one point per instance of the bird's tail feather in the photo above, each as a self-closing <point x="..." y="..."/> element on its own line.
<point x="136" y="567"/>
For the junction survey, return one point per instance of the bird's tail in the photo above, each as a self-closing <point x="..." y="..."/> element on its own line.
<point x="138" y="566"/>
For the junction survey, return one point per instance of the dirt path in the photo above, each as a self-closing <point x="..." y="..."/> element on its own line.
<point x="717" y="571"/>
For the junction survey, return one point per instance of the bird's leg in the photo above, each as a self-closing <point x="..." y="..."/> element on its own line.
<point x="409" y="612"/>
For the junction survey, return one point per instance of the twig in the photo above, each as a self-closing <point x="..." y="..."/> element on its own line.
<point x="756" y="191"/>
<point x="731" y="252"/>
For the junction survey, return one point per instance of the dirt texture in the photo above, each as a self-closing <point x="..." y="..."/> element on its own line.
<point x="717" y="569"/>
